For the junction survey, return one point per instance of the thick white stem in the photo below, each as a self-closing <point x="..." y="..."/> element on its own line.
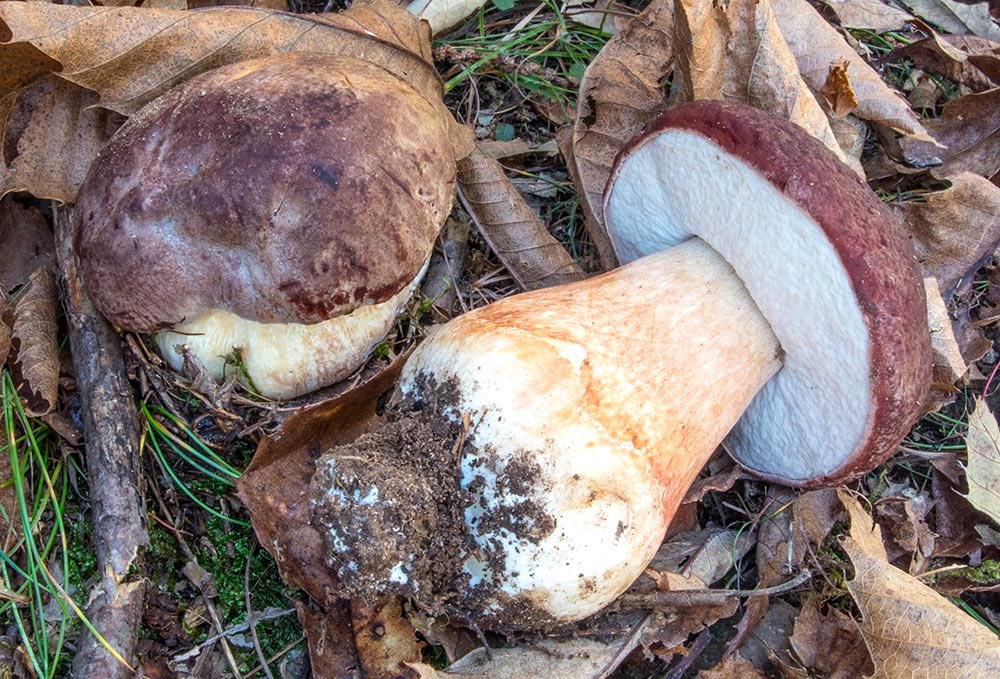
<point x="604" y="398"/>
<point x="576" y="418"/>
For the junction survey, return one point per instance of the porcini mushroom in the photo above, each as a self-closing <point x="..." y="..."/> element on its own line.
<point x="772" y="298"/>
<point x="283" y="207"/>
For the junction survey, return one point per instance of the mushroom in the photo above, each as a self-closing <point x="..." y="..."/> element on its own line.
<point x="282" y="208"/>
<point x="773" y="302"/>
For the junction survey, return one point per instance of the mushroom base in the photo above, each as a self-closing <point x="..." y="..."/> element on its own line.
<point x="571" y="423"/>
<point x="283" y="360"/>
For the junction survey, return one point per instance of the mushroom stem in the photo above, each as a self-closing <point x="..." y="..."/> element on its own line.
<point x="590" y="408"/>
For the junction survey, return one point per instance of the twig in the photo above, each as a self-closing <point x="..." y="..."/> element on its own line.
<point x="235" y="629"/>
<point x="111" y="437"/>
<point x="250" y="616"/>
<point x="703" y="597"/>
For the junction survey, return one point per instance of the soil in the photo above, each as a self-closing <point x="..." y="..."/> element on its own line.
<point x="391" y="507"/>
<point x="397" y="518"/>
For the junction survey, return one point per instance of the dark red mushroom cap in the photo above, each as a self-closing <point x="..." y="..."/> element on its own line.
<point x="830" y="267"/>
<point x="290" y="189"/>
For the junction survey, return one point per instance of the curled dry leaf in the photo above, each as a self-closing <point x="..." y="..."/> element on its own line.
<point x="872" y="14"/>
<point x="910" y="630"/>
<point x="701" y="34"/>
<point x="969" y="130"/>
<point x="514" y="232"/>
<point x="736" y="52"/>
<point x="828" y="642"/>
<point x="957" y="17"/>
<point x="949" y="366"/>
<point x="26" y="242"/>
<point x="34" y="340"/>
<point x="620" y="92"/>
<point x="955" y="231"/>
<point x="817" y="45"/>
<point x="983" y="470"/>
<point x="763" y="73"/>
<point x="837" y="90"/>
<point x="562" y="658"/>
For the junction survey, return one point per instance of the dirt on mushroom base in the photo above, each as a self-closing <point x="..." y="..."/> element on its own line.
<point x="393" y="511"/>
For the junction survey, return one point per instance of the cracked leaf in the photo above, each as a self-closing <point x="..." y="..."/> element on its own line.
<point x="911" y="631"/>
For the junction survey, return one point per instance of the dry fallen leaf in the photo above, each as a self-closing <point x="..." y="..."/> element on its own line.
<point x="514" y="232"/>
<point x="26" y="241"/>
<point x="944" y="347"/>
<point x="817" y="45"/>
<point x="983" y="471"/>
<point x="328" y="634"/>
<point x="911" y="630"/>
<point x="701" y="32"/>
<point x="955" y="230"/>
<point x="620" y="92"/>
<point x="61" y="135"/>
<point x="872" y="14"/>
<point x="35" y="343"/>
<point x="129" y="56"/>
<point x="957" y="17"/>
<point x="562" y="658"/>
<point x="837" y="90"/>
<point x="736" y="52"/>
<point x="969" y="129"/>
<point x="828" y="642"/>
<point x="385" y="639"/>
<point x="966" y="60"/>
<point x="443" y="14"/>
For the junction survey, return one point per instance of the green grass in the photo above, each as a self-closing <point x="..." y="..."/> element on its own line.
<point x="225" y="544"/>
<point x="540" y="59"/>
<point x="45" y="561"/>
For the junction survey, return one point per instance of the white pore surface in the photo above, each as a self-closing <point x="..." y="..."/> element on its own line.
<point x="813" y="414"/>
<point x="284" y="360"/>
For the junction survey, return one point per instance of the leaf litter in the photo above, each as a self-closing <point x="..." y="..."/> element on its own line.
<point x="622" y="88"/>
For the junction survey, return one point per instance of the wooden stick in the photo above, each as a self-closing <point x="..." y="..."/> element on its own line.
<point x="111" y="437"/>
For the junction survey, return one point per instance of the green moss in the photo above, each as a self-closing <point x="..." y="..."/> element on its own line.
<point x="80" y="554"/>
<point x="224" y="552"/>
<point x="987" y="573"/>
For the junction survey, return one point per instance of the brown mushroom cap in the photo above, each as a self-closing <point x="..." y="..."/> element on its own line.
<point x="289" y="189"/>
<point x="818" y="252"/>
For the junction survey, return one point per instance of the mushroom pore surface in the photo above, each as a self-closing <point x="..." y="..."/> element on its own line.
<point x="830" y="267"/>
<point x="266" y="195"/>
